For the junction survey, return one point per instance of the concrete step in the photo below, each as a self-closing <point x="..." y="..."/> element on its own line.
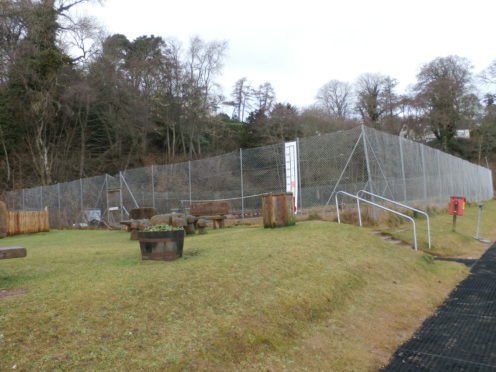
<point x="388" y="238"/>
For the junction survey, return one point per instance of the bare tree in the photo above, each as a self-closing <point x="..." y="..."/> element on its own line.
<point x="489" y="74"/>
<point x="369" y="89"/>
<point x="264" y="98"/>
<point x="241" y="96"/>
<point x="335" y="97"/>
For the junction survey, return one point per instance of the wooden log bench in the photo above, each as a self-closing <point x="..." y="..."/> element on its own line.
<point x="7" y="252"/>
<point x="213" y="211"/>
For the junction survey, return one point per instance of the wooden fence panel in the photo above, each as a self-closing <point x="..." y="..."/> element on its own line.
<point x="27" y="222"/>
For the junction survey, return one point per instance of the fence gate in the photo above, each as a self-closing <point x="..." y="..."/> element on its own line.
<point x="114" y="210"/>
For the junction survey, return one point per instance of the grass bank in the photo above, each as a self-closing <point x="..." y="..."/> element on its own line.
<point x="312" y="296"/>
<point x="445" y="242"/>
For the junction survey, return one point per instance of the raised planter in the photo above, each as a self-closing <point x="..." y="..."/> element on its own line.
<point x="161" y="245"/>
<point x="277" y="210"/>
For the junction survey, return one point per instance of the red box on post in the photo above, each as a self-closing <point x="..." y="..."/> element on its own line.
<point x="457" y="205"/>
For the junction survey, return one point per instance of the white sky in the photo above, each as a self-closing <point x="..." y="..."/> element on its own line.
<point x="298" y="46"/>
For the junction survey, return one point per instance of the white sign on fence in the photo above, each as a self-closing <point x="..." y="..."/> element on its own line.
<point x="291" y="152"/>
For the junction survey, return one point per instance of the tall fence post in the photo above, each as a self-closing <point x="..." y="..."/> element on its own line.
<point x="41" y="197"/>
<point x="451" y="176"/>
<point x="440" y="179"/>
<point x="23" y="202"/>
<point x="423" y="170"/>
<point x="402" y="159"/>
<point x="189" y="180"/>
<point x="82" y="200"/>
<point x="242" y="184"/>
<point x="153" y="187"/>
<point x="107" y="212"/>
<point x="300" y="192"/>
<point x="369" y="173"/>
<point x="58" y="202"/>
<point x="121" y="206"/>
<point x="367" y="160"/>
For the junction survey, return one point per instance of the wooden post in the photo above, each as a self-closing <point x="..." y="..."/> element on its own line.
<point x="455" y="213"/>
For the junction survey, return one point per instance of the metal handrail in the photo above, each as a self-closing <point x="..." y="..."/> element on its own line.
<point x="406" y="207"/>
<point x="358" y="199"/>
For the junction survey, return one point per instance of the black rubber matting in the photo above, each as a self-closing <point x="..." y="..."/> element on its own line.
<point x="461" y="336"/>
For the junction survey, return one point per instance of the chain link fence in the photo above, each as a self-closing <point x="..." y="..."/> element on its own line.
<point x="359" y="158"/>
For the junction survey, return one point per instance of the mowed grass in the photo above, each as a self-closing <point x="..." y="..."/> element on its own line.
<point x="315" y="296"/>
<point x="445" y="242"/>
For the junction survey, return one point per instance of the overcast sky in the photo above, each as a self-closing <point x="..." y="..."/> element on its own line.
<point x="300" y="45"/>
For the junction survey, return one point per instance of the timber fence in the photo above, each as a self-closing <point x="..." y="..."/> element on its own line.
<point x="27" y="222"/>
<point x="314" y="168"/>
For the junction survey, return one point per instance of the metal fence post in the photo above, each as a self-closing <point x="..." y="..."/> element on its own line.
<point x="107" y="212"/>
<point x="300" y="192"/>
<point x="400" y="140"/>
<point x="41" y="197"/>
<point x="82" y="200"/>
<point x="367" y="161"/>
<point x="440" y="194"/>
<point x="153" y="187"/>
<point x="121" y="202"/>
<point x="23" y="202"/>
<point x="242" y="184"/>
<point x="423" y="170"/>
<point x="189" y="178"/>
<point x="58" y="202"/>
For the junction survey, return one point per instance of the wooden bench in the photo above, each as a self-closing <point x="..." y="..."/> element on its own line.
<point x="214" y="211"/>
<point x="12" y="252"/>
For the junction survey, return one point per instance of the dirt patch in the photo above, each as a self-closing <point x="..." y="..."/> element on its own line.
<point x="6" y="293"/>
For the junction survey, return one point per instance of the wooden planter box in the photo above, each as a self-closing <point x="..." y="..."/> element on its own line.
<point x="161" y="245"/>
<point x="277" y="210"/>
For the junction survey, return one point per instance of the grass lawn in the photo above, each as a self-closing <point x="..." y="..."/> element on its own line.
<point x="315" y="296"/>
<point x="445" y="242"/>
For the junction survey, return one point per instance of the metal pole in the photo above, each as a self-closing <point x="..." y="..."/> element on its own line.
<point x="23" y="202"/>
<point x="369" y="175"/>
<point x="381" y="207"/>
<point x="343" y="171"/>
<point x="153" y="187"/>
<point x="121" y="206"/>
<point x="400" y="140"/>
<point x="189" y="177"/>
<point x="359" y="212"/>
<point x="367" y="162"/>
<point x="41" y="197"/>
<point x="477" y="232"/>
<point x="423" y="170"/>
<point x="58" y="201"/>
<point x="300" y="190"/>
<point x="479" y="189"/>
<point x="404" y="206"/>
<point x="455" y="213"/>
<point x="479" y="216"/>
<point x="439" y="177"/>
<point x="81" y="193"/>
<point x="124" y="182"/>
<point x="107" y="212"/>
<point x="242" y="184"/>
